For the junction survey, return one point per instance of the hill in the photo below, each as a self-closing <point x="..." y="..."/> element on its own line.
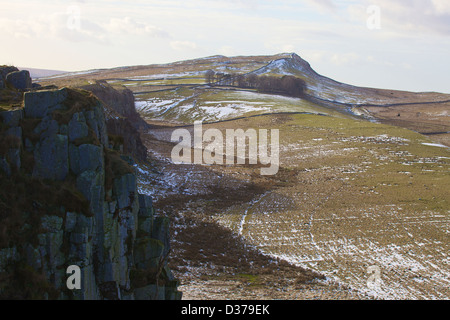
<point x="177" y="91"/>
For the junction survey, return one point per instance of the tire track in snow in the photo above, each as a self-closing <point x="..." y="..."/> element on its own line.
<point x="244" y="216"/>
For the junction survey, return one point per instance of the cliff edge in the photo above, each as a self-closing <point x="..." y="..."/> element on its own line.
<point x="68" y="199"/>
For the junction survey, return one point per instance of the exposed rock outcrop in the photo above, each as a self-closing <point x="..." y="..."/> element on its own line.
<point x="122" y="119"/>
<point x="120" y="99"/>
<point x="20" y="80"/>
<point x="14" y="78"/>
<point x="8" y="93"/>
<point x="4" y="71"/>
<point x="123" y="134"/>
<point x="67" y="199"/>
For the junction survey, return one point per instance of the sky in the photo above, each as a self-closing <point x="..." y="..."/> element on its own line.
<point x="392" y="44"/>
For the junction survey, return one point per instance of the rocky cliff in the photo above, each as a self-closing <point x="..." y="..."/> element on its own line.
<point x="122" y="118"/>
<point x="118" y="98"/>
<point x="67" y="198"/>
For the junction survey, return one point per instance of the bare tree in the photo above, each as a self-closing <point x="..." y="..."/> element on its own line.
<point x="219" y="77"/>
<point x="209" y="76"/>
<point x="252" y="80"/>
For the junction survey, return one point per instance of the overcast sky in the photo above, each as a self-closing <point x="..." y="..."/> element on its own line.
<point x="397" y="44"/>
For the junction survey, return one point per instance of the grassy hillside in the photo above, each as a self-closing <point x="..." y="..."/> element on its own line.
<point x="349" y="194"/>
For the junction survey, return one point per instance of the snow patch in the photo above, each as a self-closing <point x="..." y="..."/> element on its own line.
<point x="434" y="145"/>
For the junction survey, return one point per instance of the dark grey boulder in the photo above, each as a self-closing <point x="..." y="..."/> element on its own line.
<point x="20" y="80"/>
<point x="40" y="103"/>
<point x="4" y="70"/>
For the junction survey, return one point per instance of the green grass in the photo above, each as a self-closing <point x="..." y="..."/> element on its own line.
<point x="373" y="189"/>
<point x="391" y="165"/>
<point x="165" y="82"/>
<point x="250" y="279"/>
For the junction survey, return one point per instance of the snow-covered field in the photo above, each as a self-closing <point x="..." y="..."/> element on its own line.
<point x="408" y="248"/>
<point x="219" y="105"/>
<point x="434" y="145"/>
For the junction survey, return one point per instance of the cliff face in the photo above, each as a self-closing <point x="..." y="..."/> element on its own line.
<point x="122" y="118"/>
<point x="125" y="137"/>
<point x="118" y="98"/>
<point x="67" y="199"/>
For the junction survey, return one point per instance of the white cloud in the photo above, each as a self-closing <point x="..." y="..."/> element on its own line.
<point x="323" y="5"/>
<point x="63" y="26"/>
<point x="406" y="65"/>
<point x="342" y="59"/>
<point x="314" y="56"/>
<point x="183" y="45"/>
<point x="408" y="17"/>
<point x="53" y="26"/>
<point x="245" y="4"/>
<point x="441" y="6"/>
<point x="130" y="27"/>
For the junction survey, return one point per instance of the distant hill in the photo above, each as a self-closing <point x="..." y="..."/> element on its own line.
<point x="40" y="73"/>
<point x="180" y="91"/>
